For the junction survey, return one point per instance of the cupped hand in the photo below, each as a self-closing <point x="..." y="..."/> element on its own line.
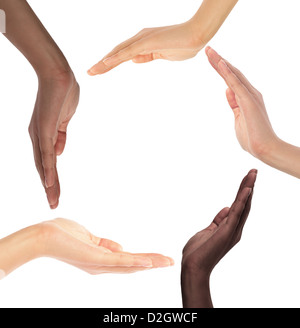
<point x="70" y="242"/>
<point x="253" y="128"/>
<point x="205" y="249"/>
<point x="175" y="42"/>
<point x="56" y="103"/>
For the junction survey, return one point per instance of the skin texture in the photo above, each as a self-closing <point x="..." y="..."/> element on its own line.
<point x="252" y="125"/>
<point x="206" y="248"/>
<point x="67" y="241"/>
<point x="58" y="91"/>
<point x="176" y="42"/>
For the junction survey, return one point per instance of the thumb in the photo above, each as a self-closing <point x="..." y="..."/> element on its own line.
<point x="230" y="95"/>
<point x="140" y="59"/>
<point x="60" y="142"/>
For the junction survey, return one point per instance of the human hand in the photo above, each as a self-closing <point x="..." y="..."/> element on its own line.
<point x="70" y="242"/>
<point x="56" y="103"/>
<point x="252" y="125"/>
<point x="176" y="42"/>
<point x="205" y="249"/>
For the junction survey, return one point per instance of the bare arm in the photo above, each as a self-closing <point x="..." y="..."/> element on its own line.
<point x="176" y="42"/>
<point x="67" y="241"/>
<point x="58" y="91"/>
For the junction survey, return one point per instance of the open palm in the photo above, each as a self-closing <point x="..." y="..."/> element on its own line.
<point x="70" y="242"/>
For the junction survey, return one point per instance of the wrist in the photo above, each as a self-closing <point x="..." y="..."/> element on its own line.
<point x="50" y="61"/>
<point x="195" y="289"/>
<point x="284" y="157"/>
<point x="269" y="151"/>
<point x="210" y="17"/>
<point x="45" y="238"/>
<point x="191" y="275"/>
<point x="198" y="32"/>
<point x="59" y="80"/>
<point x="198" y="37"/>
<point x="54" y="70"/>
<point x="33" y="243"/>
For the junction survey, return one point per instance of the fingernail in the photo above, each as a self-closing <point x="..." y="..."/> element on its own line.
<point x="165" y="263"/>
<point x="208" y="49"/>
<point x="91" y="71"/>
<point x="171" y="261"/>
<point x="223" y="66"/>
<point x="49" y="181"/>
<point x="47" y="184"/>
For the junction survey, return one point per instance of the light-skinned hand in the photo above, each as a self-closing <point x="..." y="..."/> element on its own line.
<point x="175" y="42"/>
<point x="70" y="242"/>
<point x="252" y="125"/>
<point x="253" y="128"/>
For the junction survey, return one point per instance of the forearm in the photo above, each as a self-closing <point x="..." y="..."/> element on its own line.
<point x="210" y="17"/>
<point x="18" y="249"/>
<point x="27" y="33"/>
<point x="195" y="291"/>
<point x="284" y="157"/>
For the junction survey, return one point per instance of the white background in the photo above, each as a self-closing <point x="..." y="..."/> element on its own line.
<point x="152" y="156"/>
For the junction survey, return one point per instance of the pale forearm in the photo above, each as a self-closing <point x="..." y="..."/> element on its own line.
<point x="210" y="17"/>
<point x="19" y="248"/>
<point x="284" y="157"/>
<point x="27" y="33"/>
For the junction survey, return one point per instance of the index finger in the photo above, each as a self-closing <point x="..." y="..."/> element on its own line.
<point x="233" y="82"/>
<point x="48" y="161"/>
<point x="214" y="59"/>
<point x="130" y="51"/>
<point x="248" y="181"/>
<point x="238" y="208"/>
<point x="100" y="67"/>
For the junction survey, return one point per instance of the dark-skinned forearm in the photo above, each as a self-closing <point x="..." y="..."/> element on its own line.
<point x="195" y="290"/>
<point x="26" y="32"/>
